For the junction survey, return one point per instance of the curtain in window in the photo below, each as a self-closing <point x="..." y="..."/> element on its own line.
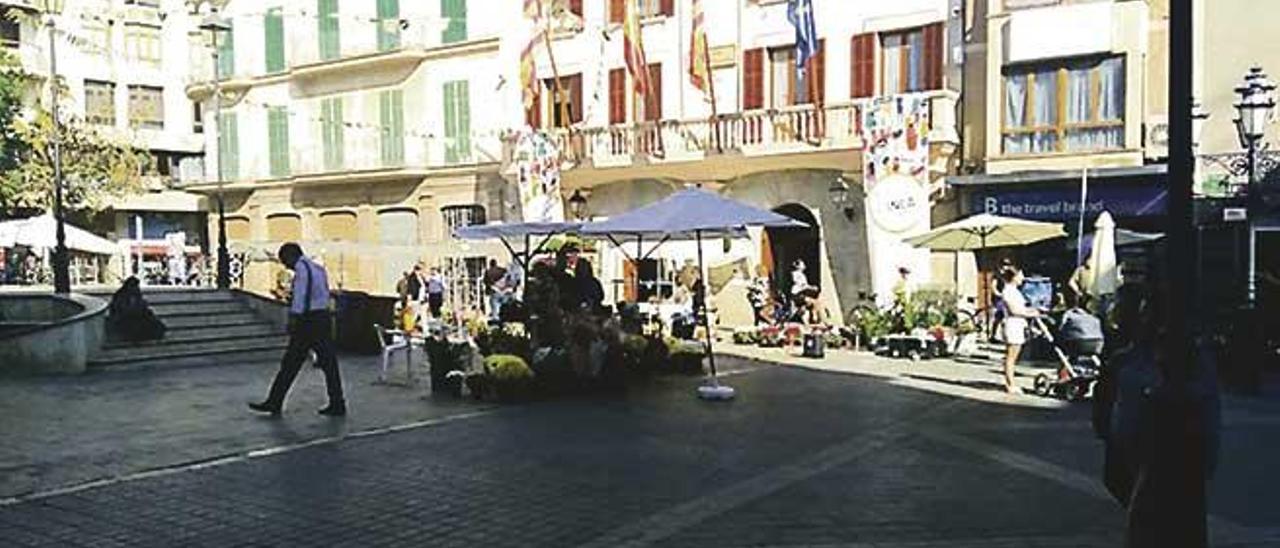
<point x="1015" y="114"/>
<point x="892" y="62"/>
<point x="1111" y="101"/>
<point x="1046" y="110"/>
<point x="1079" y="101"/>
<point x="915" y="62"/>
<point x="1085" y="106"/>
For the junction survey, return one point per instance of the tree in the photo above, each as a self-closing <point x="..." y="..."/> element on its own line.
<point x="95" y="166"/>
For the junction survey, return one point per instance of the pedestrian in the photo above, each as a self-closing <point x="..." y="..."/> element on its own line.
<point x="435" y="289"/>
<point x="130" y="318"/>
<point x="759" y="293"/>
<point x="805" y="295"/>
<point x="310" y="327"/>
<point x="903" y="289"/>
<point x="494" y="284"/>
<point x="589" y="290"/>
<point x="1015" y="325"/>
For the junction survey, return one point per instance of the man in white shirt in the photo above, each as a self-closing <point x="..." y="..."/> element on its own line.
<point x="309" y="331"/>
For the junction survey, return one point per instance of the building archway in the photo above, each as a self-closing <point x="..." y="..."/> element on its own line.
<point x="781" y="247"/>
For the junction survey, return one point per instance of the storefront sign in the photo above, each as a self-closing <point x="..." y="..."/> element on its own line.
<point x="1063" y="203"/>
<point x="899" y="203"/>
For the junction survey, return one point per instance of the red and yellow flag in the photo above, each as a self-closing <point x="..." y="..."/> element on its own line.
<point x="699" y="72"/>
<point x="529" y="71"/>
<point x="633" y="49"/>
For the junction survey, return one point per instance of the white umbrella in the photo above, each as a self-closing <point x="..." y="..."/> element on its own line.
<point x="986" y="231"/>
<point x="1102" y="258"/>
<point x="41" y="232"/>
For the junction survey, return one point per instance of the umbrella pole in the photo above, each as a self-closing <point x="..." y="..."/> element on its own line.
<point x="713" y="390"/>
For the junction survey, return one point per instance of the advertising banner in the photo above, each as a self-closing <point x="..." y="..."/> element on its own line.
<point x="537" y="164"/>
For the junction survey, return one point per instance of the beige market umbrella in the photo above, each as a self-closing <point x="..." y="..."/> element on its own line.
<point x="986" y="231"/>
<point x="1102" y="258"/>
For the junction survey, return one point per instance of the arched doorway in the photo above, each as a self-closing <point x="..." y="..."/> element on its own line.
<point x="783" y="246"/>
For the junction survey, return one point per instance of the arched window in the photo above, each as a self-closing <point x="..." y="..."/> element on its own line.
<point x="338" y="226"/>
<point x="458" y="216"/>
<point x="398" y="227"/>
<point x="237" y="229"/>
<point x="284" y="227"/>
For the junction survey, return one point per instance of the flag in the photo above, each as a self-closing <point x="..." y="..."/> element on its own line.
<point x="699" y="72"/>
<point x="533" y="9"/>
<point x="633" y="49"/>
<point x="800" y="13"/>
<point x="529" y="72"/>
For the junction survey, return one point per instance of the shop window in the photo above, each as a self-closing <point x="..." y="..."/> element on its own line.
<point x="1067" y="106"/>
<point x="456" y="217"/>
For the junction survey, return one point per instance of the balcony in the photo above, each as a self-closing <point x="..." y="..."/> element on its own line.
<point x="730" y="146"/>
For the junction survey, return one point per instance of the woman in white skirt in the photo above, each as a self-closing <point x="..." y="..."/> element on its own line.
<point x="1017" y="316"/>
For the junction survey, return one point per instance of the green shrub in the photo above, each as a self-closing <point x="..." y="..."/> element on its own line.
<point x="509" y="339"/>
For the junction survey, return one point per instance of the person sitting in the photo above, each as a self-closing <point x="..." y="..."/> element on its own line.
<point x="130" y="318"/>
<point x="590" y="292"/>
<point x="805" y="295"/>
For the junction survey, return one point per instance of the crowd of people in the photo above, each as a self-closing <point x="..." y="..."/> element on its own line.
<point x="799" y="303"/>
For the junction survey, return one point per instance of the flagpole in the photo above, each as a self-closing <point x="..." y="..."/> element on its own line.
<point x="555" y="76"/>
<point x="711" y="85"/>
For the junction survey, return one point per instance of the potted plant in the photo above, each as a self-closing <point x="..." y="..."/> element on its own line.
<point x="685" y="356"/>
<point x="510" y="377"/>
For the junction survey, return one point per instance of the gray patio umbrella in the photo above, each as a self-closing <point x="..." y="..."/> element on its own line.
<point x="687" y="214"/>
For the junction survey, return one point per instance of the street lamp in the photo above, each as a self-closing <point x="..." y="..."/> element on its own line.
<point x="577" y="205"/>
<point x="61" y="270"/>
<point x="839" y="192"/>
<point x="215" y="25"/>
<point x="1253" y="112"/>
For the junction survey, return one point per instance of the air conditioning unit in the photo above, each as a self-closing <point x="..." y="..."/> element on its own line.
<point x="1155" y="137"/>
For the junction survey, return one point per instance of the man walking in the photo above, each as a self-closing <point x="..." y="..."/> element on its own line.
<point x="309" y="330"/>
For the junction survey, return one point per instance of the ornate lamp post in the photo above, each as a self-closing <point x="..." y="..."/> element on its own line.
<point x="578" y="205"/>
<point x="1254" y="109"/>
<point x="215" y="25"/>
<point x="61" y="270"/>
<point x="839" y="193"/>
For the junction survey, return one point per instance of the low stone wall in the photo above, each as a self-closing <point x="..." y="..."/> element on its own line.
<point x="267" y="308"/>
<point x="49" y="334"/>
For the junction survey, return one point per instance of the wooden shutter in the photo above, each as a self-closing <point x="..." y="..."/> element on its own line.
<point x="667" y="7"/>
<point x="575" y="7"/>
<point x="933" y="56"/>
<point x="327" y="19"/>
<point x="273" y="26"/>
<point x="753" y="79"/>
<point x="575" y="98"/>
<point x="817" y="71"/>
<point x="653" y="101"/>
<point x="618" y="96"/>
<point x="533" y="114"/>
<point x="456" y="12"/>
<point x="617" y="11"/>
<point x="863" y="72"/>
<point x="278" y="141"/>
<point x="388" y="25"/>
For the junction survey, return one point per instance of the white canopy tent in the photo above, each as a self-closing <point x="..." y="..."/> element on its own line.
<point x="41" y="233"/>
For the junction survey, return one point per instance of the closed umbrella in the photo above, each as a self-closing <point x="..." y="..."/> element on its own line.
<point x="1102" y="258"/>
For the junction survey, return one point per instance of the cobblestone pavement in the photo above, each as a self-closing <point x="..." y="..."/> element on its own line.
<point x="801" y="458"/>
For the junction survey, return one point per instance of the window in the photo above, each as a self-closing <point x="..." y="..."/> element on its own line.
<point x="1068" y="106"/>
<point x="575" y="7"/>
<point x="197" y="117"/>
<point x="457" y="122"/>
<point x="338" y="226"/>
<point x="911" y="60"/>
<point x="391" y="121"/>
<point x="10" y="32"/>
<point x="653" y="99"/>
<point x="782" y="77"/>
<point x="646" y="8"/>
<point x="570" y="100"/>
<point x="617" y="11"/>
<point x="388" y="24"/>
<point x="618" y="96"/>
<point x="458" y="216"/>
<point x="238" y="229"/>
<point x="284" y="227"/>
<point x="146" y="107"/>
<point x="753" y="79"/>
<point x="147" y="3"/>
<point x="226" y="53"/>
<point x="398" y="227"/>
<point x="100" y="102"/>
<point x="273" y="27"/>
<point x="278" y="141"/>
<point x="327" y="19"/>
<point x="228" y="147"/>
<point x="862" y="74"/>
<point x="332" y="135"/>
<point x="142" y="43"/>
<point x="454" y="13"/>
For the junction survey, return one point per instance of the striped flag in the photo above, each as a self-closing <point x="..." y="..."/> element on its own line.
<point x="699" y="72"/>
<point x="800" y="13"/>
<point x="633" y="49"/>
<point x="529" y="71"/>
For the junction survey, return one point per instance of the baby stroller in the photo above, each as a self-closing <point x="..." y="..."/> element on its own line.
<point x="1079" y="351"/>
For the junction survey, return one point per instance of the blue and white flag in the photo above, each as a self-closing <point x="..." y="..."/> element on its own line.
<point x="800" y="13"/>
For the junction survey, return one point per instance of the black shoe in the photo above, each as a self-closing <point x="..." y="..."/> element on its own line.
<point x="266" y="407"/>
<point x="339" y="410"/>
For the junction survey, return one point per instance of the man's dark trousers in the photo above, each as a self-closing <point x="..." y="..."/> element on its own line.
<point x="310" y="332"/>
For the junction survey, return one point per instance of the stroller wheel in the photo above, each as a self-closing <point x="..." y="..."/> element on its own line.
<point x="1078" y="391"/>
<point x="1042" y="386"/>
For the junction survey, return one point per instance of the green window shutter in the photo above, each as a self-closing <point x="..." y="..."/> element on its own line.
<point x="391" y="120"/>
<point x="327" y="17"/>
<point x="457" y="122"/>
<point x="332" y="129"/>
<point x="228" y="148"/>
<point x="388" y="24"/>
<point x="226" y="54"/>
<point x="273" y="24"/>
<point x="278" y="140"/>
<point x="455" y="12"/>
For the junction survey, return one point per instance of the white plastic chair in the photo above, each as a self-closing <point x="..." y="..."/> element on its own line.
<point x="391" y="341"/>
